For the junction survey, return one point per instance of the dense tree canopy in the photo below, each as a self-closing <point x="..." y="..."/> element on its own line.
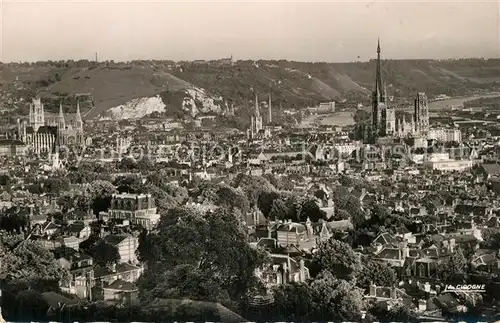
<point x="377" y="273"/>
<point x="104" y="253"/>
<point x="337" y="257"/>
<point x="325" y="299"/>
<point x="197" y="255"/>
<point x="29" y="264"/>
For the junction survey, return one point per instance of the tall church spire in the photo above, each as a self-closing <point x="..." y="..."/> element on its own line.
<point x="257" y="112"/>
<point x="379" y="87"/>
<point x="61" y="122"/>
<point x="61" y="127"/>
<point x="78" y="117"/>
<point x="270" y="110"/>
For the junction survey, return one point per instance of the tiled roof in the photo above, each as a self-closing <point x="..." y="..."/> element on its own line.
<point x="122" y="285"/>
<point x="390" y="253"/>
<point x="114" y="239"/>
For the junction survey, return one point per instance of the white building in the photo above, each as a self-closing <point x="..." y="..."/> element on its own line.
<point x="139" y="209"/>
<point x="445" y="135"/>
<point x="443" y="162"/>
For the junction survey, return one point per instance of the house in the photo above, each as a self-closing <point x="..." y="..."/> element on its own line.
<point x="56" y="301"/>
<point x="291" y="234"/>
<point x="126" y="244"/>
<point x="104" y="276"/>
<point x="389" y="295"/>
<point x="121" y="292"/>
<point x="394" y="256"/>
<point x="80" y="267"/>
<point x="283" y="269"/>
<point x="79" y="216"/>
<point x="488" y="171"/>
<point x="79" y="229"/>
<point x="49" y="229"/>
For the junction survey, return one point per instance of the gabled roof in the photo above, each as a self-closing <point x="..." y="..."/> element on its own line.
<point x="386" y="238"/>
<point x="122" y="285"/>
<point x="390" y="254"/>
<point x="56" y="300"/>
<point x="491" y="169"/>
<point x="114" y="240"/>
<point x="299" y="228"/>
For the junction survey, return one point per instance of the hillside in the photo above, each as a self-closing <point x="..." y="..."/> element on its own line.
<point x="180" y="86"/>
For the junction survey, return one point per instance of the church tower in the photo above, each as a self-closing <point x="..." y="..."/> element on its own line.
<point x="379" y="100"/>
<point x="258" y="117"/>
<point x="421" y="113"/>
<point x="269" y="113"/>
<point x="36" y="116"/>
<point x="61" y="127"/>
<point x="78" y="125"/>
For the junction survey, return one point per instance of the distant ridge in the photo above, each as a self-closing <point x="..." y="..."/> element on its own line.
<point x="294" y="84"/>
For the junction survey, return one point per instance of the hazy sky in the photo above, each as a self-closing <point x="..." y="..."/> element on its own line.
<point x="306" y="30"/>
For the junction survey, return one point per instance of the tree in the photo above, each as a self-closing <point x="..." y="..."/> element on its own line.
<point x="105" y="254"/>
<point x="252" y="186"/>
<point x="340" y="300"/>
<point x="279" y="210"/>
<point x="377" y="273"/>
<point x="231" y="197"/>
<point x="325" y="299"/>
<point x="396" y="313"/>
<point x="209" y="249"/>
<point x="29" y="264"/>
<point x="453" y="270"/>
<point x="163" y="200"/>
<point x="336" y="257"/>
<point x="129" y="184"/>
<point x="265" y="202"/>
<point x="295" y="302"/>
<point x="341" y="215"/>
<point x="310" y="209"/>
<point x="96" y="196"/>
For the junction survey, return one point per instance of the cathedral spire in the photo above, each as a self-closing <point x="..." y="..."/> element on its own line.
<point x="61" y="122"/>
<point x="379" y="87"/>
<point x="79" y="121"/>
<point x="61" y="127"/>
<point x="257" y="112"/>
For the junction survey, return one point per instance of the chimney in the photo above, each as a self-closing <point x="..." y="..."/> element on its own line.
<point x="373" y="290"/>
<point x="302" y="271"/>
<point x="452" y="245"/>
<point x="422" y="305"/>
<point x="309" y="227"/>
<point x="285" y="273"/>
<point x="393" y="292"/>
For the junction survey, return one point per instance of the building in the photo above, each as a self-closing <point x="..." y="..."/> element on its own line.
<point x="256" y="126"/>
<point x="12" y="147"/>
<point x="139" y="209"/>
<point x="385" y="123"/>
<point x="443" y="162"/>
<point x="327" y="106"/>
<point x="445" y="135"/>
<point x="42" y="132"/>
<point x="126" y="245"/>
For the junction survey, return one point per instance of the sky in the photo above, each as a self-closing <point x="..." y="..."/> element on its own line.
<point x="332" y="31"/>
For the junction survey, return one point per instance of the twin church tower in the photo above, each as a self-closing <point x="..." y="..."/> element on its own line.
<point x="43" y="133"/>
<point x="384" y="123"/>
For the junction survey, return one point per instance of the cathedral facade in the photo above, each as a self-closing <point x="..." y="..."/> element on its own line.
<point x="42" y="133"/>
<point x="384" y="121"/>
